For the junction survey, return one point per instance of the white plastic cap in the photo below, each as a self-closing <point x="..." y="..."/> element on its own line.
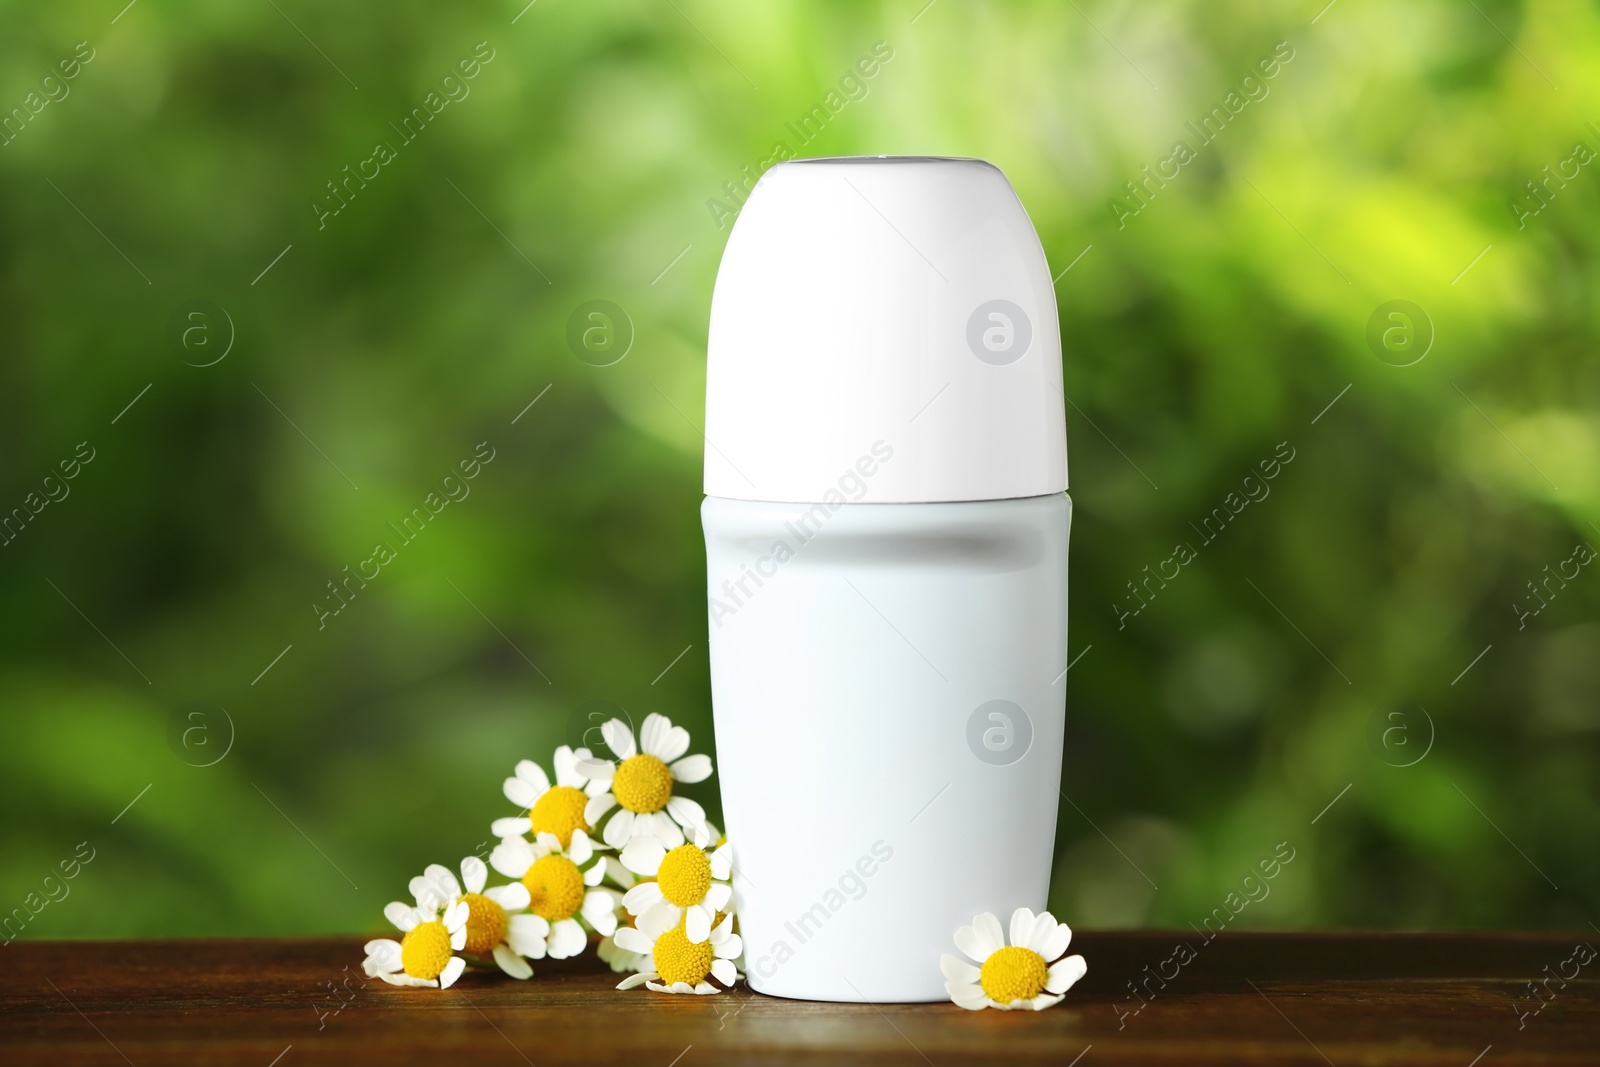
<point x="884" y="329"/>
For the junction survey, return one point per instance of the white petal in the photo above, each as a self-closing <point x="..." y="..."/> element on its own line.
<point x="968" y="940"/>
<point x="724" y="971"/>
<point x="619" y="829"/>
<point x="511" y="963"/>
<point x="522" y="792"/>
<point x="473" y="874"/>
<point x="643" y="855"/>
<point x="511" y="826"/>
<point x="382" y="955"/>
<point x="456" y="917"/>
<point x="566" y="762"/>
<point x="990" y="936"/>
<point x="533" y="774"/>
<point x="452" y="971"/>
<point x="596" y="770"/>
<point x="1039" y="1003"/>
<point x="618" y="873"/>
<point x="403" y="979"/>
<point x="729" y="948"/>
<point x="722" y="863"/>
<point x="697" y="924"/>
<point x="595" y="874"/>
<point x="1038" y="938"/>
<point x="1021" y="926"/>
<point x="600" y="909"/>
<point x="705" y="989"/>
<point x="958" y="970"/>
<point x="658" y="825"/>
<point x="653" y="733"/>
<point x="579" y="848"/>
<point x="426" y="893"/>
<point x="402" y="915"/>
<point x="691" y="769"/>
<point x="373" y="967"/>
<point x="547" y="842"/>
<point x="628" y="938"/>
<point x="566" y="939"/>
<point x="527" y="936"/>
<point x="597" y="807"/>
<point x="718" y="895"/>
<point x="641" y="897"/>
<point x="1065" y="973"/>
<point x="619" y="739"/>
<point x="512" y="857"/>
<point x="513" y="897"/>
<point x="618" y="959"/>
<point x="687" y="812"/>
<point x="967" y="996"/>
<point x="673" y="745"/>
<point x="1055" y="940"/>
<point x="658" y="919"/>
<point x="634" y="980"/>
<point x="531" y="925"/>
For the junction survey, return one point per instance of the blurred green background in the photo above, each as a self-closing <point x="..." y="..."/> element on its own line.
<point x="1320" y="642"/>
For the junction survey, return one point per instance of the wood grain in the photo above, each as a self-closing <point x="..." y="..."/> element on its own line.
<point x="1339" y="999"/>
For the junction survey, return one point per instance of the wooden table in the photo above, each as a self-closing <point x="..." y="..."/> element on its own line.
<point x="1343" y="999"/>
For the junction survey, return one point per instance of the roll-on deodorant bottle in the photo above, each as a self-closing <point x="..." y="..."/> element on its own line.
<point x="886" y="528"/>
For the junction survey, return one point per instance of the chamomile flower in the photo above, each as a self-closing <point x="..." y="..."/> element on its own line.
<point x="491" y="913"/>
<point x="555" y="809"/>
<point x="1015" y="976"/>
<point x="426" y="955"/>
<point x="559" y="890"/>
<point x="674" y="964"/>
<point x="641" y="783"/>
<point x="690" y="885"/>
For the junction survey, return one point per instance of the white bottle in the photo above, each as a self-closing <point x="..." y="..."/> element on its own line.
<point x="886" y="539"/>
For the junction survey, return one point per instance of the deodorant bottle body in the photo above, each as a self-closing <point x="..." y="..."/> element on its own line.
<point x="886" y="536"/>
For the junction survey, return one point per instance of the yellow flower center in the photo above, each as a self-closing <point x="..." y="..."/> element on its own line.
<point x="679" y="961"/>
<point x="559" y="812"/>
<point x="556" y="887"/>
<point x="486" y="924"/>
<point x="642" y="783"/>
<point x="1013" y="973"/>
<point x="425" y="950"/>
<point x="685" y="875"/>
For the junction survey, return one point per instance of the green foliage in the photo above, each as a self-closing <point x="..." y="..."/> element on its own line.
<point x="1217" y="320"/>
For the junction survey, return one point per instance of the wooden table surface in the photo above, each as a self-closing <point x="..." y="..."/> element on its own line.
<point x="1341" y="999"/>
